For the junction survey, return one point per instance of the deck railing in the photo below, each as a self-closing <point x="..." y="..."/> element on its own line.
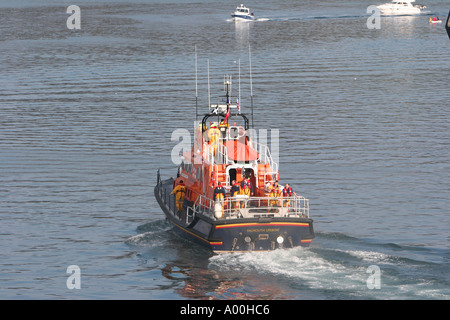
<point x="242" y="206"/>
<point x="168" y="201"/>
<point x="265" y="156"/>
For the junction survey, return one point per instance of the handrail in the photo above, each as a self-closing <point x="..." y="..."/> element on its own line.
<point x="215" y="153"/>
<point x="202" y="204"/>
<point x="265" y="156"/>
<point x="242" y="206"/>
<point x="272" y="206"/>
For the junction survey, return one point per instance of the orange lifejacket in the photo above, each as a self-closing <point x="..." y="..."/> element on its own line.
<point x="179" y="191"/>
<point x="287" y="192"/>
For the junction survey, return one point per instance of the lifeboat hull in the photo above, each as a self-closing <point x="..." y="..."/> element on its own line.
<point x="260" y="233"/>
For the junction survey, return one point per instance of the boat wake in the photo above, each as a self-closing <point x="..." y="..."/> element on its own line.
<point x="341" y="269"/>
<point x="158" y="240"/>
<point x="152" y="234"/>
<point x="336" y="266"/>
<point x="423" y="13"/>
<point x="326" y="17"/>
<point x="296" y="18"/>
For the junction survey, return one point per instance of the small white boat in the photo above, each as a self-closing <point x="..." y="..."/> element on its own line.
<point x="242" y="13"/>
<point x="400" y="7"/>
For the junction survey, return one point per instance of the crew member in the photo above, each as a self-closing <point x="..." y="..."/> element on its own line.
<point x="245" y="190"/>
<point x="275" y="193"/>
<point x="179" y="191"/>
<point x="287" y="192"/>
<point x="219" y="193"/>
<point x="235" y="190"/>
<point x="276" y="186"/>
<point x="246" y="184"/>
<point x="213" y="137"/>
<point x="223" y="124"/>
<point x="273" y="200"/>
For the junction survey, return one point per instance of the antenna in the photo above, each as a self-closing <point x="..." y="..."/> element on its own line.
<point x="239" y="84"/>
<point x="209" y="90"/>
<point x="196" y="89"/>
<point x="251" y="85"/>
<point x="227" y="86"/>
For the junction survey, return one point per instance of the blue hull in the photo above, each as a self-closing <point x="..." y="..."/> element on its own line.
<point x="235" y="235"/>
<point x="245" y="17"/>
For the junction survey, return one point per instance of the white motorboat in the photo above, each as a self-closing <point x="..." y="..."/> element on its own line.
<point x="400" y="7"/>
<point x="242" y="13"/>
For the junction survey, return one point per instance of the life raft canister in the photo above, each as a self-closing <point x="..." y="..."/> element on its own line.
<point x="218" y="210"/>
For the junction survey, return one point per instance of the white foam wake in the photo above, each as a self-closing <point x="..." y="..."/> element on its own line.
<point x="299" y="264"/>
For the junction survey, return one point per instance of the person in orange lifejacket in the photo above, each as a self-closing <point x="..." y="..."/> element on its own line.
<point x="275" y="193"/>
<point x="235" y="190"/>
<point x="246" y="187"/>
<point x="179" y="191"/>
<point x="276" y="186"/>
<point x="223" y="124"/>
<point x="219" y="192"/>
<point x="213" y="138"/>
<point x="219" y="195"/>
<point x="287" y="192"/>
<point x="273" y="202"/>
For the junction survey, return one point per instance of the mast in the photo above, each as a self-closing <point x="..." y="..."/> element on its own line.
<point x="209" y="90"/>
<point x="227" y="87"/>
<point x="239" y="85"/>
<point x="196" y="88"/>
<point x="251" y="85"/>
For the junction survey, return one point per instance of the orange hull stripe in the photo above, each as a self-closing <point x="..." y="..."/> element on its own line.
<point x="273" y="224"/>
<point x="191" y="233"/>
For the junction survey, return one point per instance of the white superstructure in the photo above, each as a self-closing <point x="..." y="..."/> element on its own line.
<point x="242" y="13"/>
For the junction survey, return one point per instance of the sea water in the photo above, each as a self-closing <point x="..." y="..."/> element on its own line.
<point x="87" y="116"/>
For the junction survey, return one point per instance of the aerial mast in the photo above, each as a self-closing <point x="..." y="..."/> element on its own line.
<point x="196" y="88"/>
<point x="239" y="85"/>
<point x="209" y="90"/>
<point x="251" y="85"/>
<point x="227" y="88"/>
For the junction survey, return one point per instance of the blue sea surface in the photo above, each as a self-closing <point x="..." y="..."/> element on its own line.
<point x="87" y="116"/>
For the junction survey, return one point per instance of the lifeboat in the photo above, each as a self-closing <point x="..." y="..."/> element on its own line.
<point x="208" y="210"/>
